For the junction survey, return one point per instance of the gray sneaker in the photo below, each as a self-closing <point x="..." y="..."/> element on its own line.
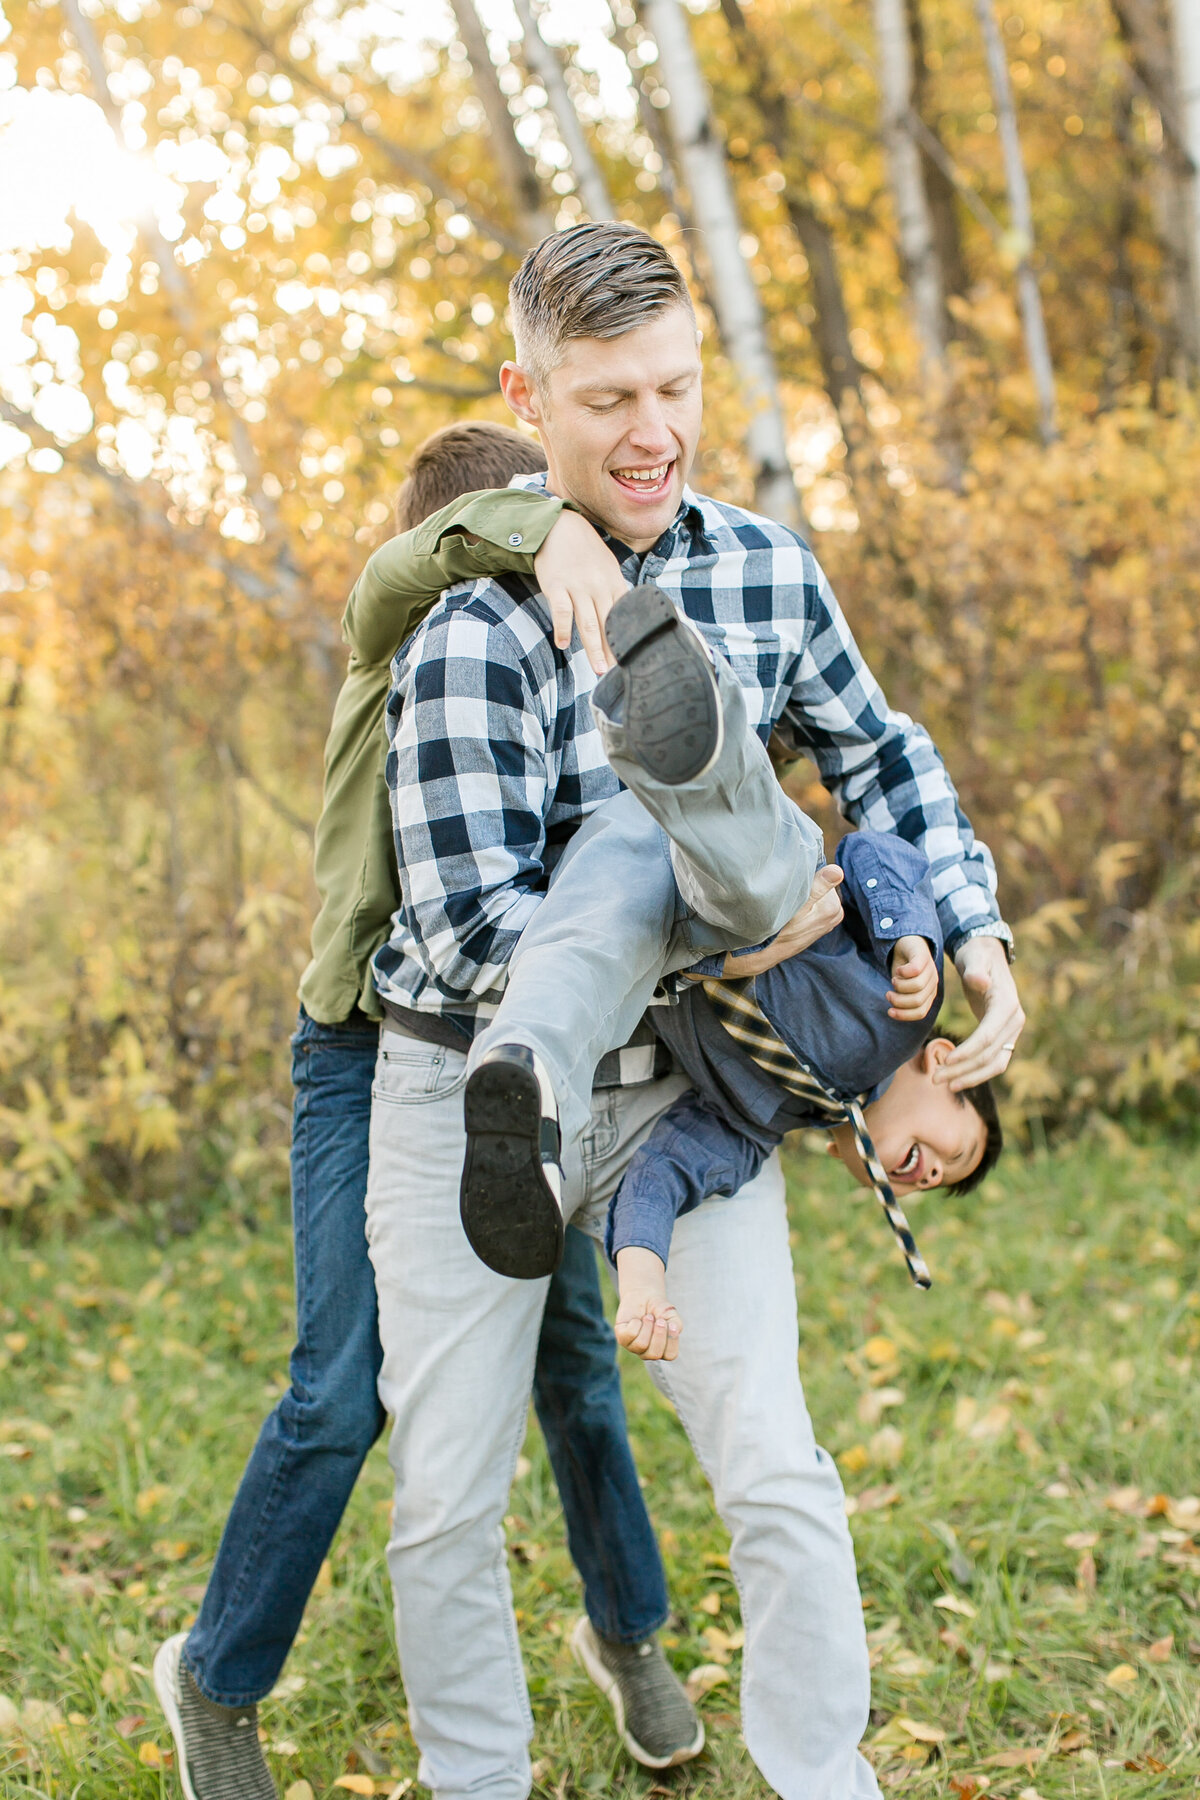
<point x="657" y="1722"/>
<point x="217" y="1750"/>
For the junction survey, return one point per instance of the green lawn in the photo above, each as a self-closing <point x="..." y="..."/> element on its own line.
<point x="1019" y="1445"/>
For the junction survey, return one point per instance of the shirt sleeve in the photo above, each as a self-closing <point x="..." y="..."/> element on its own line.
<point x="488" y="533"/>
<point x="690" y="1155"/>
<point x="468" y="771"/>
<point x="882" y="769"/>
<point x="888" y="885"/>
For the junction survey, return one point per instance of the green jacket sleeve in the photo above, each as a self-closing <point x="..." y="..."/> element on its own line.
<point x="506" y="526"/>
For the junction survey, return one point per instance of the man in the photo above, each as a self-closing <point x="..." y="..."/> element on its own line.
<point x="495" y="761"/>
<point x="309" y="1453"/>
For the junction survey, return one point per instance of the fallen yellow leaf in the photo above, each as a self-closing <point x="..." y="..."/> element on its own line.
<point x="299" y="1790"/>
<point x="1124" y="1675"/>
<point x="953" y="1603"/>
<point x="151" y="1497"/>
<point x="879" y="1351"/>
<point x="150" y="1755"/>
<point x="356" y="1784"/>
<point x="120" y="1372"/>
<point x="1160" y="1650"/>
<point x="711" y="1604"/>
<point x="924" y="1734"/>
<point x="16" y="1341"/>
<point x="702" y="1680"/>
<point x="855" y="1458"/>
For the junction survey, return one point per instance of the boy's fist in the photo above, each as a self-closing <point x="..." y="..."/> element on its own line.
<point x="646" y="1322"/>
<point x="914" y="979"/>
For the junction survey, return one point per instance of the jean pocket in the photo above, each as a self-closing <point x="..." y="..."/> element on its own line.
<point x="408" y="1072"/>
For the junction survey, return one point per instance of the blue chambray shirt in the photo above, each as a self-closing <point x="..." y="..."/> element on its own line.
<point x="828" y="1005"/>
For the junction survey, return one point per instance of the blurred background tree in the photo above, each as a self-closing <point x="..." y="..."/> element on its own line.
<point x="947" y="255"/>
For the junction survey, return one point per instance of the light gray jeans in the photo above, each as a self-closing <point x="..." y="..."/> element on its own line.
<point x="458" y="1352"/>
<point x="651" y="882"/>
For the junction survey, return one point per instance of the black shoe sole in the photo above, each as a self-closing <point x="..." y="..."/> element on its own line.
<point x="508" y="1210"/>
<point x="672" y="716"/>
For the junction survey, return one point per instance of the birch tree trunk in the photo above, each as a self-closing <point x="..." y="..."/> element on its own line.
<point x="512" y="161"/>
<point x="731" y="285"/>
<point x="918" y="248"/>
<point x="544" y="61"/>
<point x="1021" y="222"/>
<point x="1187" y="64"/>
<point x="831" y="329"/>
<point x="940" y="191"/>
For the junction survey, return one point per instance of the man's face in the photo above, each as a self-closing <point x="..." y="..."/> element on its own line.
<point x="619" y="420"/>
<point x="926" y="1137"/>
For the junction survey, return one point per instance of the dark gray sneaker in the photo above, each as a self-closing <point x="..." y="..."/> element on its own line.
<point x="658" y="1724"/>
<point x="217" y="1750"/>
<point x="670" y="708"/>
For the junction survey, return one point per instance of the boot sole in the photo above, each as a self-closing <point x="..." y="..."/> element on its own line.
<point x="511" y="1215"/>
<point x="672" y="716"/>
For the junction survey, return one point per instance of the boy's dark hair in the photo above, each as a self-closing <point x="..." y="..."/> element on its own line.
<point x="983" y="1099"/>
<point x="458" y="459"/>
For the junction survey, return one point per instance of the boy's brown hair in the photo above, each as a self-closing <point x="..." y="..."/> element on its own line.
<point x="460" y="458"/>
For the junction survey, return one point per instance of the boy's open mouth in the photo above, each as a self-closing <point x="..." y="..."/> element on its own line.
<point x="645" y="484"/>
<point x="910" y="1168"/>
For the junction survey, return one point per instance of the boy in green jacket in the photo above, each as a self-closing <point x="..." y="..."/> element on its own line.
<point x="310" y="1450"/>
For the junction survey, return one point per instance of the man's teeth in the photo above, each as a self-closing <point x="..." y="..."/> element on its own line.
<point x="650" y="476"/>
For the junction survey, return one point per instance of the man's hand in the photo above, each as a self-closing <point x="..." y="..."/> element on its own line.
<point x="580" y="577"/>
<point x="646" y="1322"/>
<point x="819" y="914"/>
<point x="914" y="979"/>
<point x="992" y="995"/>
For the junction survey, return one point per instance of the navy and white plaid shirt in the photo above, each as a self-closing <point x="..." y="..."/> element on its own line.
<point x="495" y="758"/>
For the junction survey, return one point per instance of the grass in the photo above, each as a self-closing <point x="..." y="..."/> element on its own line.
<point x="992" y="1435"/>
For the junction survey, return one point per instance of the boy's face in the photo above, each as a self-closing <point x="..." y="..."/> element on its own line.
<point x="926" y="1136"/>
<point x="619" y="420"/>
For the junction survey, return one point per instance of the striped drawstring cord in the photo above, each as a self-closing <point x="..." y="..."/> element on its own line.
<point x="886" y="1198"/>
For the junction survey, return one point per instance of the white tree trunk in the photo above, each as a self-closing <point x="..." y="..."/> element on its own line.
<point x="544" y="61"/>
<point x="1187" y="64"/>
<point x="734" y="296"/>
<point x="918" y="246"/>
<point x="1020" y="221"/>
<point x="512" y="161"/>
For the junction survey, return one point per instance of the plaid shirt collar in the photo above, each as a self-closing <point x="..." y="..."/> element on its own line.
<point x="685" y="535"/>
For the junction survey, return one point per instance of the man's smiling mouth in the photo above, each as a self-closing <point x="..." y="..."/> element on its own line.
<point x="650" y="483"/>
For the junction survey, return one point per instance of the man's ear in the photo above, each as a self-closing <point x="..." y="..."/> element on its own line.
<point x="520" y="395"/>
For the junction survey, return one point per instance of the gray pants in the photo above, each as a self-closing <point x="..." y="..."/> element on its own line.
<point x="654" y="880"/>
<point x="458" y="1351"/>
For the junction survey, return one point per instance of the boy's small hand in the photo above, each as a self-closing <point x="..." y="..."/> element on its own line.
<point x="914" y="979"/>
<point x="581" y="578"/>
<point x="646" y="1323"/>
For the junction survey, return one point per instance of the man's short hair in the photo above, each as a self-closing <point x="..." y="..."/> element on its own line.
<point x="459" y="459"/>
<point x="595" y="281"/>
<point x="983" y="1099"/>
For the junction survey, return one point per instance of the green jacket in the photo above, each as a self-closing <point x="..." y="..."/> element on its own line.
<point x="354" y="860"/>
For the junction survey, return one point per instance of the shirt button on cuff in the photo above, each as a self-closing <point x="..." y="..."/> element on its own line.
<point x="872" y="883"/>
<point x="515" y="539"/>
<point x="885" y="924"/>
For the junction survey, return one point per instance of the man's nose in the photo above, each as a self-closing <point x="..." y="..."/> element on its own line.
<point x="650" y="431"/>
